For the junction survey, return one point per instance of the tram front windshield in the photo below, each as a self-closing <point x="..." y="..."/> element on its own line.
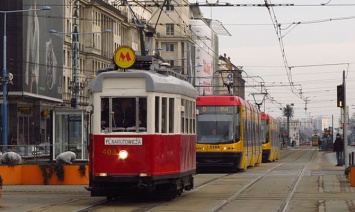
<point x="215" y="128"/>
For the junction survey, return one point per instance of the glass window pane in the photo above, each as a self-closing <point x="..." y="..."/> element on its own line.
<point x="123" y="113"/>
<point x="157" y="114"/>
<point x="104" y="113"/>
<point x="143" y="114"/>
<point x="171" y="115"/>
<point x="164" y="115"/>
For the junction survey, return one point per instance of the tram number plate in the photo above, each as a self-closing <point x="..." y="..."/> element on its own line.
<point x="214" y="146"/>
<point x="123" y="141"/>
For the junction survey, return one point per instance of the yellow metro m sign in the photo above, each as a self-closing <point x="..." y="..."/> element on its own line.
<point x="124" y="57"/>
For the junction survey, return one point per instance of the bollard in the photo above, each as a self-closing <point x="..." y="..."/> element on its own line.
<point x="352" y="158"/>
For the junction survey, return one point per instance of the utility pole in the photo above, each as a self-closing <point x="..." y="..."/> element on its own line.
<point x="76" y="54"/>
<point x="345" y="125"/>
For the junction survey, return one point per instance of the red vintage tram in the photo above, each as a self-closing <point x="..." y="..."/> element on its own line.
<point x="142" y="138"/>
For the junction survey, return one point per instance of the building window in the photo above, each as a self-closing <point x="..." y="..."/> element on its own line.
<point x="64" y="57"/>
<point x="171" y="62"/>
<point x="170" y="7"/>
<point x="169" y="47"/>
<point x="169" y="29"/>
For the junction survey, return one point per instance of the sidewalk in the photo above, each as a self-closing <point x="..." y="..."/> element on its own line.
<point x="46" y="188"/>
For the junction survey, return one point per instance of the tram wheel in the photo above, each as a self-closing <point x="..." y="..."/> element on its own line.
<point x="172" y="192"/>
<point x="179" y="192"/>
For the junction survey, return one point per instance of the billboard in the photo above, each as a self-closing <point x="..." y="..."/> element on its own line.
<point x="204" y="56"/>
<point x="42" y="55"/>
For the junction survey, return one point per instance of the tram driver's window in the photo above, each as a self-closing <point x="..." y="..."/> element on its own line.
<point x="104" y="113"/>
<point x="123" y="111"/>
<point x="142" y="114"/>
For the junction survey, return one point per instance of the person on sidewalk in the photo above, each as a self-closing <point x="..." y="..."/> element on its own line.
<point x="319" y="142"/>
<point x="338" y="149"/>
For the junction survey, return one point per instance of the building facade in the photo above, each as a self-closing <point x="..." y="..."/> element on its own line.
<point x="55" y="54"/>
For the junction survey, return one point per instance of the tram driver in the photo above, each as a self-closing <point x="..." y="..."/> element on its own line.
<point x="124" y="112"/>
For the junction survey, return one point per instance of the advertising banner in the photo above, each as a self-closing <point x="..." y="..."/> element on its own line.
<point x="42" y="50"/>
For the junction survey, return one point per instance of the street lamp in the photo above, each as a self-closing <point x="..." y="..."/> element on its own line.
<point x="76" y="58"/>
<point x="5" y="78"/>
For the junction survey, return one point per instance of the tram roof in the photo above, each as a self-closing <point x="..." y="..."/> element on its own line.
<point x="155" y="82"/>
<point x="220" y="101"/>
<point x="225" y="101"/>
<point x="266" y="116"/>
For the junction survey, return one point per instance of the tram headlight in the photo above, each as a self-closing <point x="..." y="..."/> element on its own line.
<point x="123" y="154"/>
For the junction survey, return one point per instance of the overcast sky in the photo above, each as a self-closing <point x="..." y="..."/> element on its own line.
<point x="318" y="49"/>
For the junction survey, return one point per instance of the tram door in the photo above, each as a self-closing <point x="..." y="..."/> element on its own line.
<point x="69" y="133"/>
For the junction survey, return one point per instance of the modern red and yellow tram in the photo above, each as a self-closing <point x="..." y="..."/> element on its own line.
<point x="315" y="140"/>
<point x="270" y="131"/>
<point x="143" y="133"/>
<point x="228" y="134"/>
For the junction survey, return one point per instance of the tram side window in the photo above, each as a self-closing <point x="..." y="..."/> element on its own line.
<point x="260" y="137"/>
<point x="194" y="117"/>
<point x="157" y="108"/>
<point x="253" y="131"/>
<point x="189" y="116"/>
<point x="164" y="114"/>
<point x="187" y="120"/>
<point x="183" y="123"/>
<point x="104" y="113"/>
<point x="237" y="127"/>
<point x="245" y="137"/>
<point x="171" y="115"/>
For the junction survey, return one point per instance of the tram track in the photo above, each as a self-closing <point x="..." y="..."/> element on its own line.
<point x="276" y="186"/>
<point x="304" y="179"/>
<point x="213" y="179"/>
<point x="160" y="202"/>
<point x="297" y="180"/>
<point x="294" y="155"/>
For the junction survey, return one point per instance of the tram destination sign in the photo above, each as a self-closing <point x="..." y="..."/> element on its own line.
<point x="123" y="141"/>
<point x="215" y="109"/>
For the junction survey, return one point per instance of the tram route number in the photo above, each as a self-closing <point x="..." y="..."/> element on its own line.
<point x="123" y="141"/>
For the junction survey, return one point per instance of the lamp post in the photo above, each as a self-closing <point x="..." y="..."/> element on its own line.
<point x="76" y="60"/>
<point x="5" y="78"/>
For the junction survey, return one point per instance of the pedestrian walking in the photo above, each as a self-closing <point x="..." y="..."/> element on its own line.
<point x="338" y="149"/>
<point x="319" y="142"/>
